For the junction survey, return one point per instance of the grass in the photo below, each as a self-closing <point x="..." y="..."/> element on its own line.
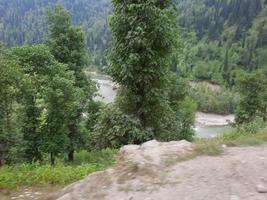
<point x="251" y="134"/>
<point x="12" y="177"/>
<point x="214" y="146"/>
<point x="61" y="174"/>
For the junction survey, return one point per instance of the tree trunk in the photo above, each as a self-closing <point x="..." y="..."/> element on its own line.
<point x="52" y="159"/>
<point x="71" y="155"/>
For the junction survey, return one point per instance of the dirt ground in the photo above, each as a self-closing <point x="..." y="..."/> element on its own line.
<point x="156" y="171"/>
<point x="28" y="193"/>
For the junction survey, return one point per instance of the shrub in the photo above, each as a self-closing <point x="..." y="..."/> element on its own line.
<point x="114" y="129"/>
<point x="222" y="101"/>
<point x="245" y="129"/>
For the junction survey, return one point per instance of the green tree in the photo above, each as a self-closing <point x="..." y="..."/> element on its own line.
<point x="60" y="97"/>
<point x="48" y="94"/>
<point x="67" y="44"/>
<point x="253" y="88"/>
<point x="144" y="40"/>
<point x="34" y="61"/>
<point x="10" y="80"/>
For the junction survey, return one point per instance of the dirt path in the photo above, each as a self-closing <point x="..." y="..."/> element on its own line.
<point x="155" y="172"/>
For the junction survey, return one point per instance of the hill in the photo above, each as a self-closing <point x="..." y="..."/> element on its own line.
<point x="220" y="37"/>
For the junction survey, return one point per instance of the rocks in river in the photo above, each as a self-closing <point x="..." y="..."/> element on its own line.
<point x="261" y="188"/>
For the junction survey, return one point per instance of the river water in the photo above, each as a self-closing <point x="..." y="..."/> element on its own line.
<point x="206" y="126"/>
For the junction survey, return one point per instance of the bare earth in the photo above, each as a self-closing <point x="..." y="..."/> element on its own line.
<point x="158" y="171"/>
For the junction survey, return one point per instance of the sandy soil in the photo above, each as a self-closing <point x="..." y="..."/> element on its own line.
<point x="209" y="119"/>
<point x="161" y="174"/>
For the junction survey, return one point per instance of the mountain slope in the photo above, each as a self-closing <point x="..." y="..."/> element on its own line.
<point x="221" y="37"/>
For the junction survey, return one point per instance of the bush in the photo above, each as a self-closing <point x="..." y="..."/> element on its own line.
<point x="34" y="174"/>
<point x="222" y="101"/>
<point x="245" y="129"/>
<point x="60" y="174"/>
<point x="114" y="129"/>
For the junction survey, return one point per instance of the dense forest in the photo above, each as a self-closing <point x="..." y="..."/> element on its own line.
<point x="223" y="37"/>
<point x="24" y="22"/>
<point x="220" y="37"/>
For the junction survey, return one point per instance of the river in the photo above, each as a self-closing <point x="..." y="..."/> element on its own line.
<point x="206" y="126"/>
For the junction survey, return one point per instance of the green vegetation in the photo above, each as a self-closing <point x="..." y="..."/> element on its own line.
<point x="219" y="100"/>
<point x="67" y="43"/>
<point x="253" y="89"/>
<point x="61" y="174"/>
<point x="44" y="95"/>
<point x="152" y="102"/>
<point x="24" y="22"/>
<point x="47" y="110"/>
<point x="223" y="38"/>
<point x="248" y="134"/>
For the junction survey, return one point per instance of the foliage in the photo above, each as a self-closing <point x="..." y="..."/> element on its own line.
<point x="250" y="128"/>
<point x="140" y="64"/>
<point x="253" y="102"/>
<point x="220" y="37"/>
<point x="114" y="129"/>
<point x="10" y="80"/>
<point x="67" y="44"/>
<point x="23" y="22"/>
<point x="60" y="174"/>
<point x="223" y="36"/>
<point x="221" y="100"/>
<point x="183" y="108"/>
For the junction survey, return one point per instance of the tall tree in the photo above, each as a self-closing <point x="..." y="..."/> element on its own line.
<point x="144" y="39"/>
<point x="47" y="96"/>
<point x="67" y="44"/>
<point x="10" y="78"/>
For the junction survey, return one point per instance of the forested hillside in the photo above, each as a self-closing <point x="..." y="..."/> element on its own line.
<point x="23" y="21"/>
<point x="221" y="37"/>
<point x="224" y="37"/>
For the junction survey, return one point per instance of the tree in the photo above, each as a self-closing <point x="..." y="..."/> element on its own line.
<point x="253" y="103"/>
<point x="60" y="97"/>
<point x="67" y="44"/>
<point x="48" y="94"/>
<point x="144" y="39"/>
<point x="10" y="80"/>
<point x="34" y="62"/>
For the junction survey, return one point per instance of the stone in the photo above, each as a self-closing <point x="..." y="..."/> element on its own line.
<point x="130" y="198"/>
<point x="234" y="197"/>
<point x="261" y="189"/>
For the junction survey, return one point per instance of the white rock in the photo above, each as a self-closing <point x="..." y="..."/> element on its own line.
<point x="261" y="189"/>
<point x="234" y="197"/>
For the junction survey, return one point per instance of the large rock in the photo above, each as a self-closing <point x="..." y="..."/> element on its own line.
<point x="154" y="152"/>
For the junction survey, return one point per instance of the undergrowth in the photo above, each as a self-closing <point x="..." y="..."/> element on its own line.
<point x="61" y="174"/>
